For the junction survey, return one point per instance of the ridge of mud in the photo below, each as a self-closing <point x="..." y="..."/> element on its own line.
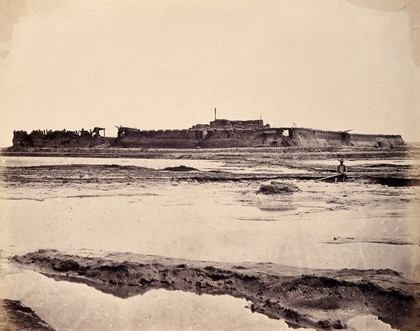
<point x="180" y="168"/>
<point x="14" y="316"/>
<point x="320" y="299"/>
<point x="79" y="173"/>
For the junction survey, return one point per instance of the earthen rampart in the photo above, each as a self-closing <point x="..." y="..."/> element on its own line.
<point x="217" y="134"/>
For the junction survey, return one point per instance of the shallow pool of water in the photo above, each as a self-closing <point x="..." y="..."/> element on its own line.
<point x="69" y="306"/>
<point x="203" y="165"/>
<point x="22" y="161"/>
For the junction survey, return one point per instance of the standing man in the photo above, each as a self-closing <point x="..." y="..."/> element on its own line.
<point x="342" y="170"/>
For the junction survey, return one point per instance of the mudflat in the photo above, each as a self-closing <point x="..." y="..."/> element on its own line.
<point x="256" y="224"/>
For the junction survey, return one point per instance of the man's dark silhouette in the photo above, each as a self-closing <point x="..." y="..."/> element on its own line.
<point x="342" y="170"/>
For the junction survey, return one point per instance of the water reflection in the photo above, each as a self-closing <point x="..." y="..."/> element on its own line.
<point x="69" y="306"/>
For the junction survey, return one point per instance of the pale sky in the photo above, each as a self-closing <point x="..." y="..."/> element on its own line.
<point x="334" y="65"/>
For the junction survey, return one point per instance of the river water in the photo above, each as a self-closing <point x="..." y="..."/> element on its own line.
<point x="322" y="226"/>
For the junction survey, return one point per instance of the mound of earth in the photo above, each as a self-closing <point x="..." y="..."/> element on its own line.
<point x="278" y="188"/>
<point x="315" y="298"/>
<point x="180" y="168"/>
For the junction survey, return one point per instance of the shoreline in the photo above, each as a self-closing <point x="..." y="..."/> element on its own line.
<point x="383" y="174"/>
<point x="105" y="151"/>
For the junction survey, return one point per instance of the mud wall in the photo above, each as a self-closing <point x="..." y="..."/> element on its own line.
<point x="150" y="142"/>
<point x="380" y="141"/>
<point x="56" y="139"/>
<point x="203" y="138"/>
<point x="21" y="139"/>
<point x="302" y="137"/>
<point x="159" y="139"/>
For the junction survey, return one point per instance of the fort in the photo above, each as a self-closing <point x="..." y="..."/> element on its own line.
<point x="220" y="133"/>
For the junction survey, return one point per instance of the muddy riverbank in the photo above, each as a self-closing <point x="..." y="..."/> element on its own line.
<point x="78" y="173"/>
<point x="255" y="164"/>
<point x="16" y="317"/>
<point x="319" y="299"/>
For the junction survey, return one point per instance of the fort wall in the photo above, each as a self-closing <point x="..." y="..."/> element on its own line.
<point x="204" y="138"/>
<point x="219" y="134"/>
<point x="379" y="140"/>
<point x="303" y="137"/>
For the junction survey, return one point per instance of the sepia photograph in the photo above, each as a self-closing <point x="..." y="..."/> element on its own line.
<point x="202" y="165"/>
